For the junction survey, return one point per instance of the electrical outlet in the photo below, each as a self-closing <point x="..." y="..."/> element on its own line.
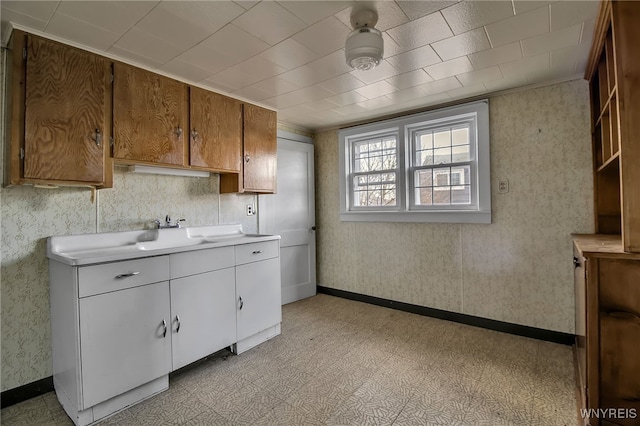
<point x="503" y="186"/>
<point x="250" y="211"/>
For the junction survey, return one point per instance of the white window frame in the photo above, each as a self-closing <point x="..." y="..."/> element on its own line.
<point x="406" y="209"/>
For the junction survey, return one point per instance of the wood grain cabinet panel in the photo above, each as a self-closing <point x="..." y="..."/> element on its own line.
<point x="216" y="131"/>
<point x="150" y="117"/>
<point x="259" y="168"/>
<point x="66" y="113"/>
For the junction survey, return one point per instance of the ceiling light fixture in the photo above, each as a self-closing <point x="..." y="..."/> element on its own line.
<point x="364" y="47"/>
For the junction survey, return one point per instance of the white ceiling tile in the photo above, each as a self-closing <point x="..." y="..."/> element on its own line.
<point x="405" y="95"/>
<point x="324" y="37"/>
<point x="330" y="65"/>
<point x="301" y="96"/>
<point x="347" y="98"/>
<point x="523" y="6"/>
<point x="414" y="59"/>
<point x="127" y="55"/>
<point x="448" y="68"/>
<point x="506" y="83"/>
<point x="469" y="15"/>
<point x="519" y="27"/>
<point x="462" y="44"/>
<point x="526" y="65"/>
<point x="116" y="17"/>
<point x="7" y="15"/>
<point x="439" y="86"/>
<point x="233" y="77"/>
<point x="282" y="23"/>
<point x="320" y="105"/>
<point x="203" y="57"/>
<point x="208" y="15"/>
<point x="185" y="70"/>
<point x="425" y="101"/>
<point x="349" y="109"/>
<point x="417" y="9"/>
<point x="246" y="4"/>
<point x="554" y="40"/>
<point x="289" y="54"/>
<point x="144" y="44"/>
<point x="73" y="29"/>
<point x="567" y="13"/>
<point x="163" y="24"/>
<point x="252" y="93"/>
<point x="390" y="47"/>
<point x="374" y="90"/>
<point x="258" y="69"/>
<point x="382" y="71"/>
<point x="588" y="28"/>
<point x="389" y="14"/>
<point x="409" y="79"/>
<point x="235" y="43"/>
<point x="342" y="83"/>
<point x="375" y="103"/>
<point x="480" y="76"/>
<point x="467" y="91"/>
<point x="420" y="32"/>
<point x="302" y="76"/>
<point x="218" y="87"/>
<point x="274" y="86"/>
<point x="40" y="10"/>
<point x="313" y="11"/>
<point x="495" y="56"/>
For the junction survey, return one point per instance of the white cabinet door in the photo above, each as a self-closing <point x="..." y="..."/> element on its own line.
<point x="202" y="315"/>
<point x="258" y="297"/>
<point x="123" y="343"/>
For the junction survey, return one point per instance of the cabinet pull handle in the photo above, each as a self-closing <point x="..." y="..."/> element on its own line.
<point x="179" y="131"/>
<point x="247" y="158"/>
<point x="257" y="251"/>
<point x="194" y="135"/>
<point x="127" y="275"/>
<point x="241" y="303"/>
<point x="624" y="315"/>
<point x="178" y="321"/>
<point x="576" y="262"/>
<point x="164" y="325"/>
<point x="98" y="137"/>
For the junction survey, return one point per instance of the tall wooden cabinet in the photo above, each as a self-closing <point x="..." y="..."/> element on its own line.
<point x="61" y="114"/>
<point x="607" y="278"/>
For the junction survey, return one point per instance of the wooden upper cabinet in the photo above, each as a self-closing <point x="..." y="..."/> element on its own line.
<point x="216" y="131"/>
<point x="150" y="118"/>
<point x="67" y="102"/>
<point x="260" y="150"/>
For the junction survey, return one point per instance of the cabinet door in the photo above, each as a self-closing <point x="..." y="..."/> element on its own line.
<point x="260" y="149"/>
<point x="150" y="117"/>
<point x="216" y="131"/>
<point x="202" y="315"/>
<point x="579" y="277"/>
<point x="619" y="336"/>
<point x="66" y="113"/>
<point x="123" y="344"/>
<point x="258" y="297"/>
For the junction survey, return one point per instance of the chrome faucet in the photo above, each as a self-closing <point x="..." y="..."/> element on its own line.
<point x="168" y="224"/>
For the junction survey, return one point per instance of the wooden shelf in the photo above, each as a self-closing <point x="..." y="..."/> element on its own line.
<point x="613" y="162"/>
<point x="605" y="107"/>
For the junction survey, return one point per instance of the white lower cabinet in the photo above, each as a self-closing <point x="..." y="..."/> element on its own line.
<point x="119" y="328"/>
<point x="202" y="315"/>
<point x="125" y="340"/>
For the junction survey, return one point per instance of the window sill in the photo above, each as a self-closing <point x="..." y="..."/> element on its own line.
<point x="413" y="216"/>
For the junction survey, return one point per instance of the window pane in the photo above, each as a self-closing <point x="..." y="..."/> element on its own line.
<point x="424" y="141"/>
<point x="460" y="175"/>
<point x="442" y="195"/>
<point x="442" y="155"/>
<point x="442" y="138"/>
<point x="424" y="158"/>
<point x="423" y="178"/>
<point x="460" y="136"/>
<point x="461" y="194"/>
<point x="375" y="189"/>
<point x="424" y="196"/>
<point x="460" y="153"/>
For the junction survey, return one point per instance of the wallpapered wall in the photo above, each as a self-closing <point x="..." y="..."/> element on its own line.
<point x="517" y="269"/>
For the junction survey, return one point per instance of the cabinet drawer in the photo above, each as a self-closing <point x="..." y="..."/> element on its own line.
<point x="114" y="276"/>
<point x="200" y="261"/>
<point x="246" y="253"/>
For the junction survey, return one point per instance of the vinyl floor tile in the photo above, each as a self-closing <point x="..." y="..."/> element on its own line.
<point x="341" y="362"/>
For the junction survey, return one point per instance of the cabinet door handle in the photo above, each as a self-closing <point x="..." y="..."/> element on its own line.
<point x="127" y="275"/>
<point x="164" y="325"/>
<point x="178" y="321"/>
<point x="241" y="303"/>
<point x="257" y="251"/>
<point x="179" y="131"/>
<point x="576" y="262"/>
<point x="98" y="137"/>
<point x="194" y="135"/>
<point x="247" y="158"/>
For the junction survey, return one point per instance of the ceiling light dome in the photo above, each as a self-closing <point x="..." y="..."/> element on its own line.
<point x="364" y="47"/>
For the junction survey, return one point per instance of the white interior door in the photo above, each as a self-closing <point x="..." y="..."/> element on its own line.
<point x="290" y="213"/>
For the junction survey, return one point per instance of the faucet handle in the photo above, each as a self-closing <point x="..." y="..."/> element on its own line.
<point x="167" y="220"/>
<point x="157" y="223"/>
<point x="179" y="222"/>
